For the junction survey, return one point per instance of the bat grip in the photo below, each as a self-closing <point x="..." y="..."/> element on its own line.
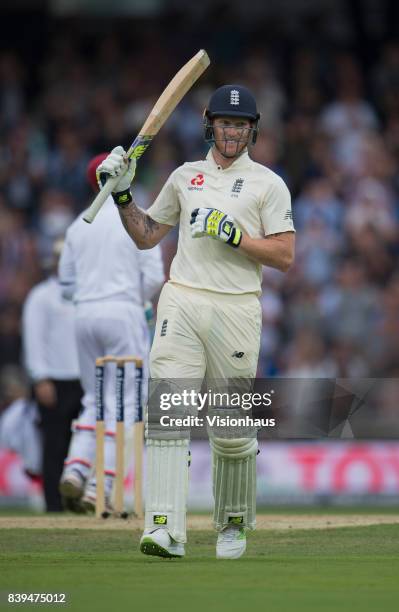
<point x="100" y="198"/>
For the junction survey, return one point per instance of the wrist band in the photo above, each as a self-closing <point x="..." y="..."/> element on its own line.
<point x="235" y="238"/>
<point x="123" y="198"/>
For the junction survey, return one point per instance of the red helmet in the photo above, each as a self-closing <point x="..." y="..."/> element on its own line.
<point x="91" y="170"/>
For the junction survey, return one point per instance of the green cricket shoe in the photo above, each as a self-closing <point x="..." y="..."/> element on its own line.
<point x="231" y="543"/>
<point x="159" y="544"/>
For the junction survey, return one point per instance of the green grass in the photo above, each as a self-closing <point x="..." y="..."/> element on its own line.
<point x="345" y="569"/>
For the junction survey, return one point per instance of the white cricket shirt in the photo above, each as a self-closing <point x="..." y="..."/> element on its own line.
<point x="253" y="195"/>
<point x="101" y="262"/>
<point x="48" y="333"/>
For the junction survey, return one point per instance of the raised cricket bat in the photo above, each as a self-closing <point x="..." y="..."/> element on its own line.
<point x="165" y="105"/>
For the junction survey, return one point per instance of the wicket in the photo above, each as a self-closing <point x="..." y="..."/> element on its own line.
<point x="119" y="436"/>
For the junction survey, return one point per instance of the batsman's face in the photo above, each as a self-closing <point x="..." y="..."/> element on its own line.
<point x="231" y="135"/>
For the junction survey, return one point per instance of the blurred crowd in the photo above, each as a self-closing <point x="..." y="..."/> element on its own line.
<point x="329" y="126"/>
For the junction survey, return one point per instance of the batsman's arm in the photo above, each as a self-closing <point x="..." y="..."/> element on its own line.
<point x="142" y="226"/>
<point x="276" y="251"/>
<point x="142" y="229"/>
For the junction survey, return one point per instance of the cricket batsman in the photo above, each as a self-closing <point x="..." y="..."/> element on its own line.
<point x="235" y="217"/>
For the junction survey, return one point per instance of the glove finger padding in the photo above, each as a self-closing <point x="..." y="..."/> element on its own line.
<point x="198" y="221"/>
<point x="117" y="165"/>
<point x="109" y="167"/>
<point x="194" y="215"/>
<point x="119" y="150"/>
<point x="215" y="224"/>
<point x="197" y="230"/>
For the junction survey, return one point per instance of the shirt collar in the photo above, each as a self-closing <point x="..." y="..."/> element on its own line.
<point x="239" y="163"/>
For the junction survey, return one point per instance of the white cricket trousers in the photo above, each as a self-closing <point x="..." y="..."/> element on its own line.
<point x="106" y="328"/>
<point x="202" y="333"/>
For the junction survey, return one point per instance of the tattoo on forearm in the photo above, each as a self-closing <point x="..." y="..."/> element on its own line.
<point x="137" y="223"/>
<point x="149" y="224"/>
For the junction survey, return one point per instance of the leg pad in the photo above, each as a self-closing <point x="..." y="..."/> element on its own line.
<point x="167" y="486"/>
<point x="234" y="481"/>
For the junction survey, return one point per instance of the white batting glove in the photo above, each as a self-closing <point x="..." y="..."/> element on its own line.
<point x="116" y="164"/>
<point x="216" y="224"/>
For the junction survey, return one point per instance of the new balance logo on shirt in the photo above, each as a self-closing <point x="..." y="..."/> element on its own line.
<point x="288" y="215"/>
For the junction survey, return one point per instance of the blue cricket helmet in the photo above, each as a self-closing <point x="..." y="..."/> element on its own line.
<point x="231" y="101"/>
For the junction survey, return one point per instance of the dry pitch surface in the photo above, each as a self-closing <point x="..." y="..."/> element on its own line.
<point x="203" y="522"/>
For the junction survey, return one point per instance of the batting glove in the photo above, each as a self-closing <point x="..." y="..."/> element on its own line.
<point x="216" y="224"/>
<point x="116" y="164"/>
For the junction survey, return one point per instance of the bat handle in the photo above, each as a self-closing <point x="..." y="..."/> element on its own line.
<point x="99" y="200"/>
<point x="136" y="150"/>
